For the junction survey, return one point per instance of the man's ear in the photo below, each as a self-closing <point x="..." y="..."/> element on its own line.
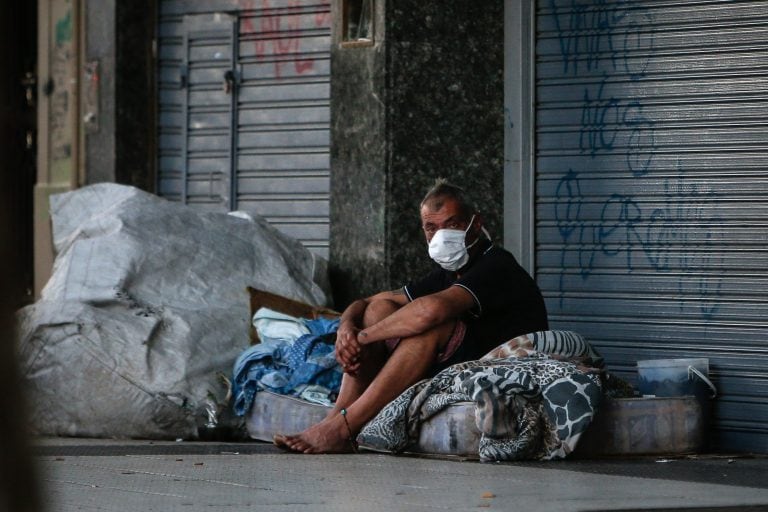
<point x="476" y="228"/>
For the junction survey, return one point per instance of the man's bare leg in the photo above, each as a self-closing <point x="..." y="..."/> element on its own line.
<point x="408" y="364"/>
<point x="372" y="359"/>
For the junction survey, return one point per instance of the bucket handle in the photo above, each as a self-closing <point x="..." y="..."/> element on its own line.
<point x="693" y="369"/>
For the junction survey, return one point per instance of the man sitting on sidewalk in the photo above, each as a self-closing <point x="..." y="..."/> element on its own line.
<point x="478" y="298"/>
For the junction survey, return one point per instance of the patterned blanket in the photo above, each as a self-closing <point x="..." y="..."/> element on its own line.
<point x="534" y="397"/>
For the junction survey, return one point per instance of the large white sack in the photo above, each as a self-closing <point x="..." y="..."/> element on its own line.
<point x="146" y="306"/>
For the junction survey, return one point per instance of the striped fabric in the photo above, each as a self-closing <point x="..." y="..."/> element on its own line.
<point x="558" y="344"/>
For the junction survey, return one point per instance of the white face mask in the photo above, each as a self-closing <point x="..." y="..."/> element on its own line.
<point x="447" y="247"/>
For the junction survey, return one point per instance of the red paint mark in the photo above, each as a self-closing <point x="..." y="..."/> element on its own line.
<point x="323" y="19"/>
<point x="284" y="34"/>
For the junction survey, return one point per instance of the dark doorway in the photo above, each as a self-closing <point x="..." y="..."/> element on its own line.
<point x="18" y="68"/>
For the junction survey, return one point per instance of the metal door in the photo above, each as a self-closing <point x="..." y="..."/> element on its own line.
<point x="245" y="110"/>
<point x="651" y="189"/>
<point x="198" y="116"/>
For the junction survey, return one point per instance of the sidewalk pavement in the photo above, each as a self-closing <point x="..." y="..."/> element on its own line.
<point x="126" y="476"/>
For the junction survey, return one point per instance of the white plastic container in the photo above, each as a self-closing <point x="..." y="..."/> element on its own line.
<point x="675" y="377"/>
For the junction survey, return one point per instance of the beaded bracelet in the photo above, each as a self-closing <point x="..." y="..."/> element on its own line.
<point x="352" y="441"/>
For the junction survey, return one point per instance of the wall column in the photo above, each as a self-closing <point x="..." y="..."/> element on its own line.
<point x="421" y="98"/>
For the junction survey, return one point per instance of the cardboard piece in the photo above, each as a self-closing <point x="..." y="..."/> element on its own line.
<point x="295" y="308"/>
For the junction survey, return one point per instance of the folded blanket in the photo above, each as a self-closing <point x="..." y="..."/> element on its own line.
<point x="528" y="404"/>
<point x="301" y="367"/>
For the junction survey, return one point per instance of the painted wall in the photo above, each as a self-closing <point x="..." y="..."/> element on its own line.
<point x="58" y="148"/>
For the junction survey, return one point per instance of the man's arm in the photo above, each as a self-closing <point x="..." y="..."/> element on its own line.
<point x="420" y="315"/>
<point x="347" y="341"/>
<point x="354" y="312"/>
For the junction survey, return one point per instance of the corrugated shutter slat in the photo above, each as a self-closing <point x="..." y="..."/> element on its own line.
<point x="651" y="187"/>
<point x="276" y="140"/>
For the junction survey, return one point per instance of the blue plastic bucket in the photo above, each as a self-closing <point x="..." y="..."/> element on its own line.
<point x="675" y="377"/>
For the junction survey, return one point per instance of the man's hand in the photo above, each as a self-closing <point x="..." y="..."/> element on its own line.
<point x="348" y="347"/>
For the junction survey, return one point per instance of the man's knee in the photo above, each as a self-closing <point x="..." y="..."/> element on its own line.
<point x="433" y="341"/>
<point x="378" y="310"/>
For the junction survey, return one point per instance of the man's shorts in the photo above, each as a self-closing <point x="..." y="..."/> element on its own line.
<point x="457" y="337"/>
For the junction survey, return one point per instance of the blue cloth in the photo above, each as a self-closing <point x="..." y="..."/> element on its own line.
<point x="288" y="367"/>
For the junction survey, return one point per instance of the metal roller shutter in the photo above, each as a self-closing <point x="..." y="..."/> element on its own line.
<point x="244" y="110"/>
<point x="652" y="189"/>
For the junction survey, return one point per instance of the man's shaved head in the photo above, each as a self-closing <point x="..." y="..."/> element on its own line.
<point x="442" y="191"/>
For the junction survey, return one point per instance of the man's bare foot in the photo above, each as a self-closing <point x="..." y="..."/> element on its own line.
<point x="328" y="436"/>
<point x="281" y="442"/>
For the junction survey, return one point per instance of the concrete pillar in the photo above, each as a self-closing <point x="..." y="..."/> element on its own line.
<point x="421" y="98"/>
<point x="119" y="92"/>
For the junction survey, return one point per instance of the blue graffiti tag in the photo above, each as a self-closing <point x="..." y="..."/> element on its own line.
<point x="595" y="116"/>
<point x="612" y="42"/>
<point x="671" y="241"/>
<point x="642" y="139"/>
<point x="602" y="120"/>
<point x="588" y="29"/>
